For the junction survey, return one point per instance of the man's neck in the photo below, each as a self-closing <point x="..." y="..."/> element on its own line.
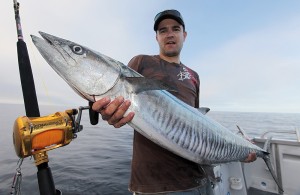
<point x="174" y="59"/>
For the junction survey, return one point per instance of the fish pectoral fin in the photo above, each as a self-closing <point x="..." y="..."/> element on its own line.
<point x="203" y="110"/>
<point x="145" y="84"/>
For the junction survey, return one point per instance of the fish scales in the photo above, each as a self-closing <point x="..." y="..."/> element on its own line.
<point x="213" y="146"/>
<point x="180" y="131"/>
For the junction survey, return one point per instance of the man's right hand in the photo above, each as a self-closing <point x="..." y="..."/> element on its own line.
<point x="113" y="110"/>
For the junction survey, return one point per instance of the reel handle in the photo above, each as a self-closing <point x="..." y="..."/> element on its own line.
<point x="94" y="116"/>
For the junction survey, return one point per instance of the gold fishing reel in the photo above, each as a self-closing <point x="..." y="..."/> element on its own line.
<point x="36" y="135"/>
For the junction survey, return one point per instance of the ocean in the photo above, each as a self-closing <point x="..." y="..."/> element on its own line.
<point x="98" y="160"/>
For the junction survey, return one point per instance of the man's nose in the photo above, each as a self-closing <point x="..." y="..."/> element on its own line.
<point x="170" y="33"/>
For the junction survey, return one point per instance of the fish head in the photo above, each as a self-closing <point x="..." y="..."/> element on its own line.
<point x="89" y="73"/>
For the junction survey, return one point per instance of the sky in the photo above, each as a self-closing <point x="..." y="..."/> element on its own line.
<point x="247" y="53"/>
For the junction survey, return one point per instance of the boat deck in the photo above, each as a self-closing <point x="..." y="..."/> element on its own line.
<point x="255" y="179"/>
<point x="254" y="191"/>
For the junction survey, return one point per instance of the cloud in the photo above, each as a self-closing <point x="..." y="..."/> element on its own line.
<point x="100" y="25"/>
<point x="253" y="64"/>
<point x="253" y="69"/>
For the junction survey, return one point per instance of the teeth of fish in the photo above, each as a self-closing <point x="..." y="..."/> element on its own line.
<point x="159" y="115"/>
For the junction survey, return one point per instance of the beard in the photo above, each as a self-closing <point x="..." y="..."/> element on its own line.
<point x="172" y="53"/>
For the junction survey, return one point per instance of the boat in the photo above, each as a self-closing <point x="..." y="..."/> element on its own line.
<point x="254" y="178"/>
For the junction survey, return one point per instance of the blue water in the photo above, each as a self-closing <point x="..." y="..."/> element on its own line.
<point x="98" y="161"/>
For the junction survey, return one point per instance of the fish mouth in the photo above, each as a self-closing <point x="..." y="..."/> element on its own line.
<point x="48" y="42"/>
<point x="48" y="38"/>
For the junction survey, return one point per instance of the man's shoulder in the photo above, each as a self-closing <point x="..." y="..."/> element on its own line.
<point x="146" y="57"/>
<point x="143" y="60"/>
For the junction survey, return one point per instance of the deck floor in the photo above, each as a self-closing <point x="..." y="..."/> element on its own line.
<point x="254" y="191"/>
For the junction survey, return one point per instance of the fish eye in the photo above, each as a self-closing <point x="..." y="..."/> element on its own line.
<point x="77" y="49"/>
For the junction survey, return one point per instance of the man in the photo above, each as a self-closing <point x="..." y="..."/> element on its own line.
<point x="154" y="169"/>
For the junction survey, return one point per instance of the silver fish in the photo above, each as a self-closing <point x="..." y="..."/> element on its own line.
<point x="159" y="116"/>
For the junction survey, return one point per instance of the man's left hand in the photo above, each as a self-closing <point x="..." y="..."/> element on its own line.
<point x="251" y="157"/>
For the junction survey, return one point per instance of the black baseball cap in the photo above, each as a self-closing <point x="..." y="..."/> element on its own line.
<point x="172" y="13"/>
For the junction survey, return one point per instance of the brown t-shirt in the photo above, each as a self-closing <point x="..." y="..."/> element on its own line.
<point x="155" y="169"/>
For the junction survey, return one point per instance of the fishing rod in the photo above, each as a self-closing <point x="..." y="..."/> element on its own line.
<point x="44" y="175"/>
<point x="27" y="82"/>
<point x="34" y="135"/>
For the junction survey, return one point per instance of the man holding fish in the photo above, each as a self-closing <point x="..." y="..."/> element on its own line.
<point x="156" y="170"/>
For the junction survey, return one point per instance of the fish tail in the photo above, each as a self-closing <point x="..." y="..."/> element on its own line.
<point x="267" y="160"/>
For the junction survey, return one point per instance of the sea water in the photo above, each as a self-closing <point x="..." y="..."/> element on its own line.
<point x="98" y="160"/>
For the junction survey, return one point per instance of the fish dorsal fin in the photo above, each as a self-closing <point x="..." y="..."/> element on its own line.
<point x="145" y="84"/>
<point x="203" y="110"/>
<point x="244" y="133"/>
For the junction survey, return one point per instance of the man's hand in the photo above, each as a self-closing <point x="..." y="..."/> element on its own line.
<point x="113" y="111"/>
<point x="251" y="157"/>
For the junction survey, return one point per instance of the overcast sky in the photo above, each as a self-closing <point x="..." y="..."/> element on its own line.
<point x="247" y="53"/>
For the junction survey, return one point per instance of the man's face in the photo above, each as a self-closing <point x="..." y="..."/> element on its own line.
<point x="170" y="37"/>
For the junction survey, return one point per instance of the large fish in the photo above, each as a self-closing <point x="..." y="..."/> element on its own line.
<point x="159" y="116"/>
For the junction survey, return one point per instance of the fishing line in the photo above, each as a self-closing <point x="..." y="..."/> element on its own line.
<point x="39" y="70"/>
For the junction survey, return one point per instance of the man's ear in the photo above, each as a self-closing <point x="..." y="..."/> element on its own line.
<point x="184" y="34"/>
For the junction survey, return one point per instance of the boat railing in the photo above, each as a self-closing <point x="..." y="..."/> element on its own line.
<point x="296" y="132"/>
